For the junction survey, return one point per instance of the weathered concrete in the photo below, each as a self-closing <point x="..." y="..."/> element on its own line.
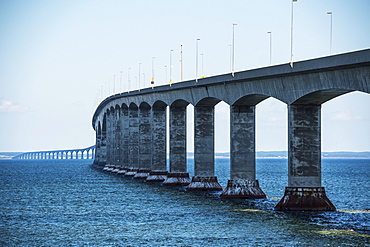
<point x="242" y="142"/>
<point x="243" y="183"/>
<point x="243" y="188"/>
<point x="304" y="191"/>
<point x="178" y="174"/>
<point x="133" y="137"/>
<point x="177" y="179"/>
<point x="204" y="146"/>
<point x="145" y="138"/>
<point x="157" y="176"/>
<point x="125" y="134"/>
<point x="159" y="137"/>
<point x="178" y="138"/>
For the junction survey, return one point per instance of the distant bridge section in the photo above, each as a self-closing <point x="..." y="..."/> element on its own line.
<point x="84" y="153"/>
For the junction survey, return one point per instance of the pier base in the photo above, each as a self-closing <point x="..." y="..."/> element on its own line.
<point x="131" y="172"/>
<point x="115" y="169"/>
<point x="157" y="176"/>
<point x="243" y="188"/>
<point x="204" y="183"/>
<point x="122" y="171"/>
<point x="142" y="173"/>
<point x="177" y="178"/>
<point x="305" y="199"/>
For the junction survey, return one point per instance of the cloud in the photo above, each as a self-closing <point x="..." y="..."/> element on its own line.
<point x="346" y="116"/>
<point x="8" y="106"/>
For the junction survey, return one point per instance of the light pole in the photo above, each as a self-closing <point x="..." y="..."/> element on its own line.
<point x="331" y="28"/>
<point x="171" y="67"/>
<point x="196" y="61"/>
<point x="233" y="53"/>
<point x="152" y="81"/>
<point x="291" y="37"/>
<point x="270" y="34"/>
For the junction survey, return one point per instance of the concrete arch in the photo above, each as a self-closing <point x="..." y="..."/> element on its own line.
<point x="133" y="107"/>
<point x="251" y="99"/>
<point x="320" y="96"/>
<point x="180" y="103"/>
<point x="159" y="105"/>
<point x="208" y="101"/>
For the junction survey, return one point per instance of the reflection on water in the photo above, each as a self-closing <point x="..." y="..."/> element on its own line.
<point x="68" y="203"/>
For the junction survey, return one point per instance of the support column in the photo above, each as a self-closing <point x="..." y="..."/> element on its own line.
<point x="243" y="183"/>
<point x="124" y="144"/>
<point x="145" y="141"/>
<point x="116" y="135"/>
<point x="103" y="147"/>
<point x="177" y="174"/>
<point x="159" y="143"/>
<point x="304" y="191"/>
<point x="204" y="156"/>
<point x="133" y="145"/>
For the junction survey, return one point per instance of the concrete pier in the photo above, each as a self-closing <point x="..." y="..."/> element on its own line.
<point x="125" y="136"/>
<point x="133" y="147"/>
<point x="304" y="191"/>
<point x="178" y="173"/>
<point x="243" y="183"/>
<point x="159" y="136"/>
<point x="145" y="141"/>
<point x="204" y="155"/>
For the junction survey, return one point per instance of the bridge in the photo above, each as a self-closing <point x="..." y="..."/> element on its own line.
<point x="131" y="127"/>
<point x="84" y="153"/>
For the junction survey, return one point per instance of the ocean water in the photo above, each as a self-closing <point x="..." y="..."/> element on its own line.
<point x="70" y="203"/>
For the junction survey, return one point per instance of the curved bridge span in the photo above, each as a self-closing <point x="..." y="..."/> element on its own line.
<point x="131" y="127"/>
<point x="84" y="153"/>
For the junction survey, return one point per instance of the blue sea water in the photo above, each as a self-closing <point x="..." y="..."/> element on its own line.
<point x="70" y="203"/>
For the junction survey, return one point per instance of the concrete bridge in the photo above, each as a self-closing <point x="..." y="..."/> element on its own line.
<point x="84" y="153"/>
<point x="131" y="127"/>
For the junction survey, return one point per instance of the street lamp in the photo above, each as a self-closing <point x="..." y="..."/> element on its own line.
<point x="196" y="61"/>
<point x="331" y="29"/>
<point x="233" y="53"/>
<point x="291" y="37"/>
<point x="152" y="81"/>
<point x="171" y="67"/>
<point x="270" y="34"/>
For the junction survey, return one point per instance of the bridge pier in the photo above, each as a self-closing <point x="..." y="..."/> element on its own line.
<point x="124" y="144"/>
<point x="304" y="191"/>
<point x="204" y="156"/>
<point x="145" y="141"/>
<point x="178" y="173"/>
<point x="242" y="183"/>
<point x="133" y="140"/>
<point x="159" y="137"/>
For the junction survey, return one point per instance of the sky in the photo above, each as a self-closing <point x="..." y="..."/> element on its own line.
<point x="60" y="58"/>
